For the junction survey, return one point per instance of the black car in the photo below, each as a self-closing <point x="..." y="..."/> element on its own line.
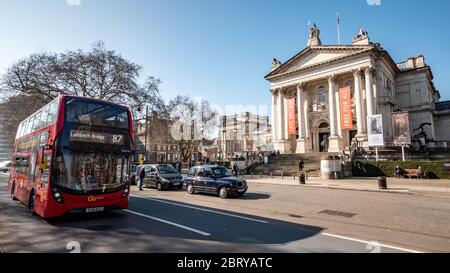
<point x="162" y="177"/>
<point x="214" y="180"/>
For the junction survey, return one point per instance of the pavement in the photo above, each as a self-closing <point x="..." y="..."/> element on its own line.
<point x="270" y="218"/>
<point x="408" y="186"/>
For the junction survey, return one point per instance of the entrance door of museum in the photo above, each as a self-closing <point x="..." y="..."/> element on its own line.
<point x="323" y="140"/>
<point x="321" y="134"/>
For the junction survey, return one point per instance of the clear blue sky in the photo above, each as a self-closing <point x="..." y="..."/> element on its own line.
<point x="222" y="49"/>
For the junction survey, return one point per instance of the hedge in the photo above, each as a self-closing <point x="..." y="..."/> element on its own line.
<point x="434" y="169"/>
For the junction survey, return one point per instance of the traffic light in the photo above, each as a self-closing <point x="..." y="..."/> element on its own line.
<point x="140" y="159"/>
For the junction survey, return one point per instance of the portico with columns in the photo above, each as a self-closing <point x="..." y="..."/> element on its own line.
<point x="313" y="78"/>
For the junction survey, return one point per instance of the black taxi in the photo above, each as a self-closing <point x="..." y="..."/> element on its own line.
<point x="213" y="179"/>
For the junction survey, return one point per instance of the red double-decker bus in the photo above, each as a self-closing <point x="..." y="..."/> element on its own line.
<point x="73" y="155"/>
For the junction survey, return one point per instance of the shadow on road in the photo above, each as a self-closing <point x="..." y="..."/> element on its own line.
<point x="227" y="226"/>
<point x="254" y="196"/>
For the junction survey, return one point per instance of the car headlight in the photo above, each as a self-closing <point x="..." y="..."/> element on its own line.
<point x="164" y="180"/>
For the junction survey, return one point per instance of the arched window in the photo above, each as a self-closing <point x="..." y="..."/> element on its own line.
<point x="321" y="97"/>
<point x="324" y="125"/>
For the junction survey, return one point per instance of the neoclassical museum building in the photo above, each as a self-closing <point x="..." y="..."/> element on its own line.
<point x="322" y="96"/>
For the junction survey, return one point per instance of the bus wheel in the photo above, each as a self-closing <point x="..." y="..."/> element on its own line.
<point x="31" y="202"/>
<point x="13" y="190"/>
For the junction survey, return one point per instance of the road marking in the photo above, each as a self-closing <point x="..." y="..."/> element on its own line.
<point x="202" y="209"/>
<point x="168" y="222"/>
<point x="371" y="242"/>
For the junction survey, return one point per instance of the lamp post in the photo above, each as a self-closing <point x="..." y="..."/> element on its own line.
<point x="235" y="140"/>
<point x="145" y="141"/>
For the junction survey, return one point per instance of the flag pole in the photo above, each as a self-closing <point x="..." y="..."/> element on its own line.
<point x="338" y="28"/>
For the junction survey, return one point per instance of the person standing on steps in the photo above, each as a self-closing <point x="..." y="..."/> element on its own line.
<point x="301" y="165"/>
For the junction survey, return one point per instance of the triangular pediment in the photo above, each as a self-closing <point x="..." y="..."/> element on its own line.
<point x="314" y="56"/>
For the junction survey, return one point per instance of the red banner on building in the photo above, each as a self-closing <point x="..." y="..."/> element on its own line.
<point x="292" y="124"/>
<point x="346" y="107"/>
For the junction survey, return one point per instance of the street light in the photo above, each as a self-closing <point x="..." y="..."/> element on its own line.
<point x="146" y="123"/>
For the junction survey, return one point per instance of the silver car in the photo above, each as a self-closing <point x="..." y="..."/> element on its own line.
<point x="5" y="166"/>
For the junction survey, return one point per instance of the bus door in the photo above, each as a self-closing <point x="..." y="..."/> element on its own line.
<point x="42" y="175"/>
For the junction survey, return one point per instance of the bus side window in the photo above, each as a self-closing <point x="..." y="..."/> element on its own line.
<point x="25" y="165"/>
<point x="52" y="112"/>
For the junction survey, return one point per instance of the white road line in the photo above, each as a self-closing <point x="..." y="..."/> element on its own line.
<point x="168" y="222"/>
<point x="201" y="209"/>
<point x="371" y="242"/>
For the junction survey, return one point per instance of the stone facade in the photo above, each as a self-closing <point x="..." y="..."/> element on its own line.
<point x="378" y="85"/>
<point x="242" y="134"/>
<point x="157" y="144"/>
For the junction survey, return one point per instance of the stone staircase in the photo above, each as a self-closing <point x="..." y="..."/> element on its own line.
<point x="287" y="165"/>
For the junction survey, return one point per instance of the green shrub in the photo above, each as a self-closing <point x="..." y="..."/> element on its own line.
<point x="434" y="169"/>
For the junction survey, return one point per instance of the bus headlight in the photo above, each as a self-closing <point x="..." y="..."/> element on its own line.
<point x="126" y="191"/>
<point x="57" y="195"/>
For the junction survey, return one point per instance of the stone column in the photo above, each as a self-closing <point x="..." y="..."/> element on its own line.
<point x="300" y="104"/>
<point x="281" y="119"/>
<point x="274" y="116"/>
<point x="334" y="145"/>
<point x="369" y="92"/>
<point x="303" y="142"/>
<point x="358" y="101"/>
<point x="306" y="118"/>
<point x="375" y="94"/>
<point x="332" y="106"/>
<point x="338" y="113"/>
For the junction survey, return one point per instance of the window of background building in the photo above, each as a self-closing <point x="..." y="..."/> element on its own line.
<point x="321" y="98"/>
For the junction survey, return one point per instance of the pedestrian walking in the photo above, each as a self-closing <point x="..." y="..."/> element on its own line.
<point x="236" y="170"/>
<point x="141" y="178"/>
<point x="398" y="172"/>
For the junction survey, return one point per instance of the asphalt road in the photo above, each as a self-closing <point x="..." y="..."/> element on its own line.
<point x="177" y="222"/>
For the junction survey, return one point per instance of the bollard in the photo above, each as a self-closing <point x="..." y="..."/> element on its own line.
<point x="271" y="175"/>
<point x="294" y="176"/>
<point x="252" y="174"/>
<point x="382" y="183"/>
<point x="260" y="174"/>
<point x="302" y="178"/>
<point x="282" y="176"/>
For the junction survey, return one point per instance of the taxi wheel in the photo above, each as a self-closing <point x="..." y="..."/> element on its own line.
<point x="223" y="193"/>
<point x="190" y="189"/>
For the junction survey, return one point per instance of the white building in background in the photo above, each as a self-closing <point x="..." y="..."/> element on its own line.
<point x="6" y="139"/>
<point x="310" y="90"/>
<point x="5" y="147"/>
<point x="242" y="134"/>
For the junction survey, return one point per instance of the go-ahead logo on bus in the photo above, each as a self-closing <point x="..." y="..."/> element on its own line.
<point x="96" y="137"/>
<point x="92" y="198"/>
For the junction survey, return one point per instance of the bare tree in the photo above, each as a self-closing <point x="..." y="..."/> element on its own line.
<point x="99" y="73"/>
<point x="15" y="109"/>
<point x="194" y="121"/>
